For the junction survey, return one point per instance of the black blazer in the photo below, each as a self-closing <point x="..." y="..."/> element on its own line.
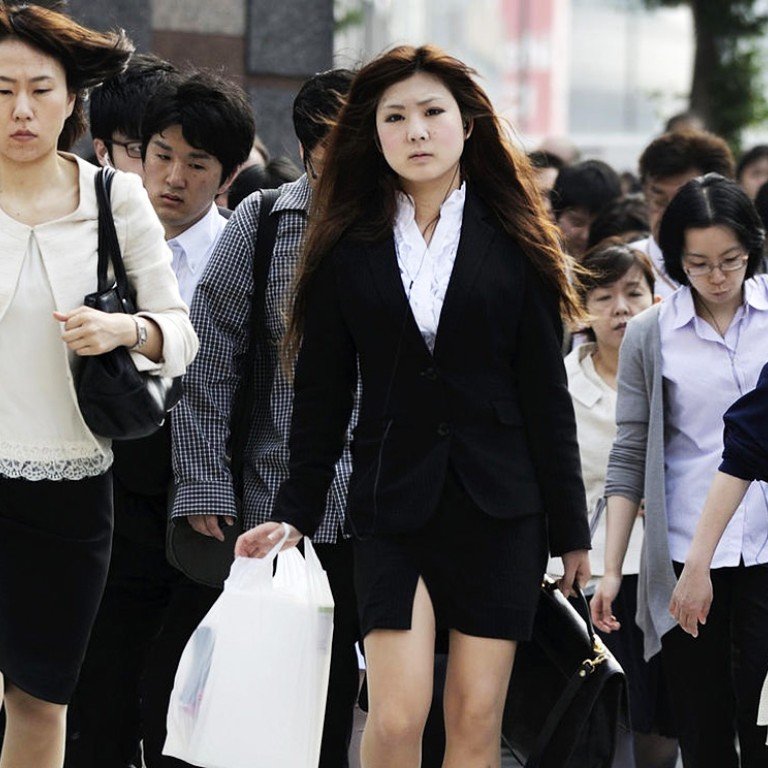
<point x="492" y="402"/>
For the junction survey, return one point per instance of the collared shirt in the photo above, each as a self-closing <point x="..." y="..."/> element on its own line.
<point x="703" y="374"/>
<point x="426" y="269"/>
<point x="220" y="313"/>
<point x="665" y="285"/>
<point x="193" y="248"/>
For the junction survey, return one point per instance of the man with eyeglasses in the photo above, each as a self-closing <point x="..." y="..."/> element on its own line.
<point x="667" y="163"/>
<point x="116" y="108"/>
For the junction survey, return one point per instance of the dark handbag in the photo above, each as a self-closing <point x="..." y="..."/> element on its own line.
<point x="117" y="400"/>
<point x="202" y="558"/>
<point x="567" y="701"/>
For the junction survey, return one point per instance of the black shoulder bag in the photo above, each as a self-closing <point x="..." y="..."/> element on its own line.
<point x="567" y="700"/>
<point x="117" y="400"/>
<point x="202" y="558"/>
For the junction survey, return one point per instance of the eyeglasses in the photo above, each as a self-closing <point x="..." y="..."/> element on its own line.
<point x="132" y="148"/>
<point x="731" y="264"/>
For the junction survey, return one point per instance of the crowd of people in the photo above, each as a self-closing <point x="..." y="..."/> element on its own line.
<point x="474" y="365"/>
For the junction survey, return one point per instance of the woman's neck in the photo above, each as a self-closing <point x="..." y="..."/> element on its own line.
<point x="428" y="199"/>
<point x="606" y="363"/>
<point x="41" y="191"/>
<point x="719" y="317"/>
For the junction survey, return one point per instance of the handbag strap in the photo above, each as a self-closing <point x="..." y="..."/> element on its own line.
<point x="242" y="406"/>
<point x="109" y="246"/>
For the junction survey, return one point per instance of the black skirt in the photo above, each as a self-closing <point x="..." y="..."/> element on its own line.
<point x="483" y="574"/>
<point x="55" y="539"/>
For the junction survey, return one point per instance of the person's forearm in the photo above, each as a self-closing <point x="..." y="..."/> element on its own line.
<point x="725" y="495"/>
<point x="620" y="514"/>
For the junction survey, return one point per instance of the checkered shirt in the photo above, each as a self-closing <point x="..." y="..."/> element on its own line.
<point x="220" y="313"/>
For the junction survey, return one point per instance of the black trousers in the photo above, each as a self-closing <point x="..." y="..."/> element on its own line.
<point x="188" y="605"/>
<point x="715" y="679"/>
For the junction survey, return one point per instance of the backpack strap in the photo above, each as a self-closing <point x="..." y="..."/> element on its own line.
<point x="242" y="406"/>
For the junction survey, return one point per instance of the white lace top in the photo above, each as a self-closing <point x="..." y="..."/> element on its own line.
<point x="426" y="269"/>
<point x="42" y="435"/>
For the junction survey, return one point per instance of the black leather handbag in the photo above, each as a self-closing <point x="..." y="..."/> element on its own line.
<point x="117" y="400"/>
<point x="567" y="703"/>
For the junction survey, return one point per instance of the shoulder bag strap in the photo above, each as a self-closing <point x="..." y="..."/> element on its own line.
<point x="242" y="406"/>
<point x="109" y="247"/>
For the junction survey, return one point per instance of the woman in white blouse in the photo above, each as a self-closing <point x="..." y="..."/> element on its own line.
<point x="682" y="363"/>
<point x="432" y="267"/>
<point x="55" y="485"/>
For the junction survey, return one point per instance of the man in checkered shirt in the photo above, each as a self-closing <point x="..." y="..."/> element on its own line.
<point x="221" y="315"/>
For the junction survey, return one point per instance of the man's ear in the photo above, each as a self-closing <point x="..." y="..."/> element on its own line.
<point x="102" y="153"/>
<point x="227" y="183"/>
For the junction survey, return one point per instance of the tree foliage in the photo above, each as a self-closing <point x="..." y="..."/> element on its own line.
<point x="727" y="84"/>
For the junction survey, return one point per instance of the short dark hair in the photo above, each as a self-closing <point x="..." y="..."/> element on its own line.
<point x="317" y="103"/>
<point x="214" y="114"/>
<point x="278" y="170"/>
<point x="88" y="57"/>
<point x="677" y="152"/>
<point x="758" y="152"/>
<point x="606" y="263"/>
<point x="540" y="158"/>
<point x="590" y="184"/>
<point x="709" y="201"/>
<point x="622" y="216"/>
<point x="117" y="105"/>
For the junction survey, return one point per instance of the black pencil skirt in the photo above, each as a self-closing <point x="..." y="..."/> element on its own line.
<point x="483" y="574"/>
<point x="55" y="540"/>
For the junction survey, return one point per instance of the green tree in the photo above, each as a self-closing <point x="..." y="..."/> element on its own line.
<point x="727" y="86"/>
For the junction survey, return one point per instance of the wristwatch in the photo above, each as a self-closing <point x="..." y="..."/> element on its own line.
<point x="141" y="333"/>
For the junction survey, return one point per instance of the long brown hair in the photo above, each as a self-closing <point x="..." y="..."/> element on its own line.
<point x="356" y="192"/>
<point x="88" y="57"/>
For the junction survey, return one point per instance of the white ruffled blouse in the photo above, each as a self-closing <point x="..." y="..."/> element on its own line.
<point x="426" y="269"/>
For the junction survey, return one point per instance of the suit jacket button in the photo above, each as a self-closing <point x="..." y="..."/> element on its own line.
<point x="430" y="374"/>
<point x="443" y="430"/>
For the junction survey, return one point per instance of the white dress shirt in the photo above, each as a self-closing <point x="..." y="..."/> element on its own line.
<point x="703" y="374"/>
<point x="426" y="269"/>
<point x="192" y="249"/>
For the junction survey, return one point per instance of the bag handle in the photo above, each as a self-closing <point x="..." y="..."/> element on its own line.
<point x="109" y="246"/>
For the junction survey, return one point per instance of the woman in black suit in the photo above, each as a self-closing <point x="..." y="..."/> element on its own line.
<point x="430" y="265"/>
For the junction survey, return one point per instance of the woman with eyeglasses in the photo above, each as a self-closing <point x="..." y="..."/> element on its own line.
<point x="55" y="479"/>
<point x="682" y="363"/>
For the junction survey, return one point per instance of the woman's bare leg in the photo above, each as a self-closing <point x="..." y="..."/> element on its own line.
<point x="34" y="731"/>
<point x="476" y="684"/>
<point x="399" y="670"/>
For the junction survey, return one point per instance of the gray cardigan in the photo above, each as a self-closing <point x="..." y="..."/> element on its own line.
<point x="636" y="469"/>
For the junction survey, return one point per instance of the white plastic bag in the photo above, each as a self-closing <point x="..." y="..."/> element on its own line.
<point x="251" y="685"/>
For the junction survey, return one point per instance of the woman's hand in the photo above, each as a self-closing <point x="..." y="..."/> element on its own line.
<point x="258" y="541"/>
<point x="576" y="570"/>
<point x="89" y="331"/>
<point x="602" y="602"/>
<point x="692" y="598"/>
